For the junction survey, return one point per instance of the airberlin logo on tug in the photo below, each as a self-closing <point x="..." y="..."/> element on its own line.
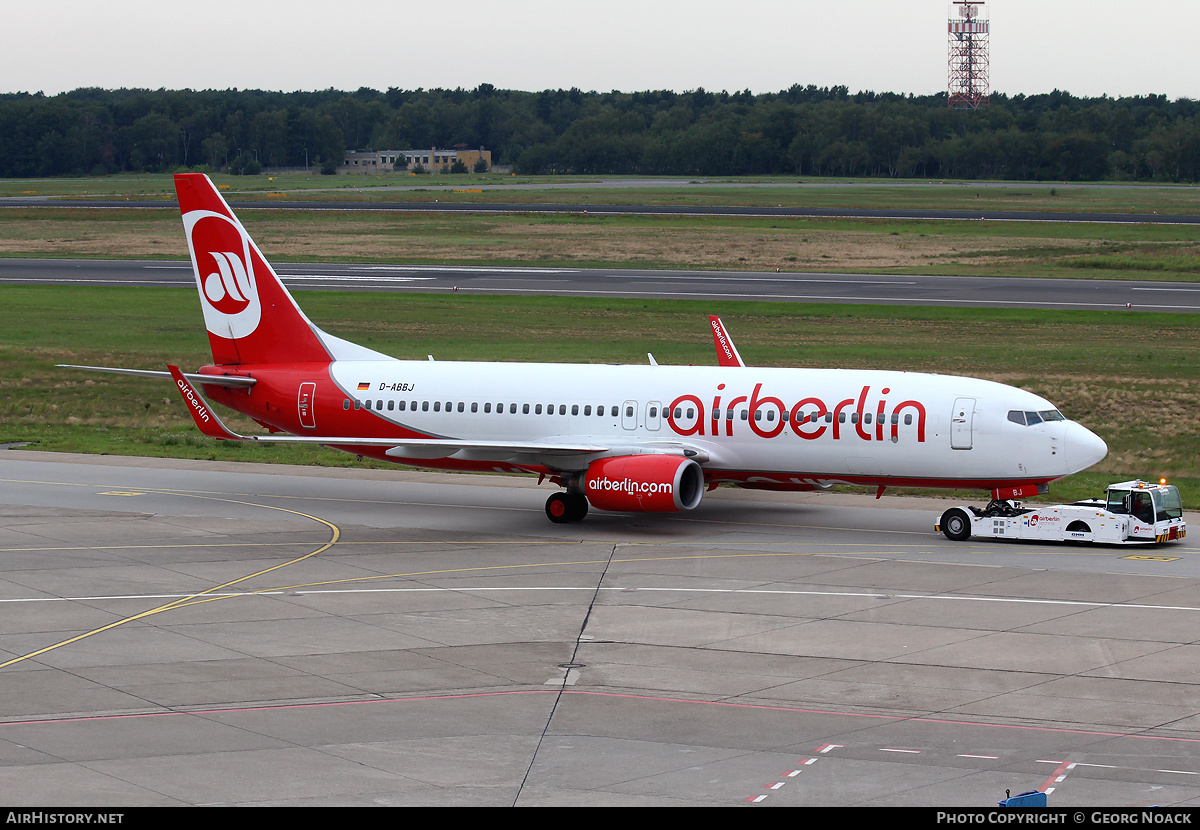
<point x="230" y="292"/>
<point x="810" y="418"/>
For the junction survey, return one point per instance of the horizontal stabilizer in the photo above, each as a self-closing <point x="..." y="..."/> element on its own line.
<point x="228" y="381"/>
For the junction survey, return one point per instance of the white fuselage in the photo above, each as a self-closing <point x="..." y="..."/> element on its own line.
<point x="869" y="425"/>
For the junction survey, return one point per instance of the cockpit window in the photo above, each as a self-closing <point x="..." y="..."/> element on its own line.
<point x="1031" y="418"/>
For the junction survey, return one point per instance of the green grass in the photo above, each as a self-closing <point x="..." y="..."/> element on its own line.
<point x="763" y="191"/>
<point x="1133" y="378"/>
<point x="1073" y="250"/>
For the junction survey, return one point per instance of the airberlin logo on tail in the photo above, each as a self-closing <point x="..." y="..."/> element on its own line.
<point x="227" y="287"/>
<point x="223" y="258"/>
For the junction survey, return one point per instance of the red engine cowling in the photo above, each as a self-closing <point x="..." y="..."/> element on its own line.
<point x="644" y="483"/>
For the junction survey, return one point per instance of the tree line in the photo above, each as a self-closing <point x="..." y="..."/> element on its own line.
<point x="808" y="131"/>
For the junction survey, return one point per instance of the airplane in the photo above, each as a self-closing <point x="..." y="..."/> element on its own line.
<point x="628" y="438"/>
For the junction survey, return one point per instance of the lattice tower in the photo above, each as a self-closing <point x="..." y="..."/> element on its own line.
<point x="968" y="49"/>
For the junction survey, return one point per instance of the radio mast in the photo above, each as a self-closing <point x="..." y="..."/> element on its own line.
<point x="968" y="50"/>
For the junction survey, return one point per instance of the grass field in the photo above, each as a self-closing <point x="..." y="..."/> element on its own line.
<point x="1016" y="249"/>
<point x="1132" y="378"/>
<point x="1104" y="197"/>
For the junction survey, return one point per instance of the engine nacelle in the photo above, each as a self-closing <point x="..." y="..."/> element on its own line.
<point x="644" y="483"/>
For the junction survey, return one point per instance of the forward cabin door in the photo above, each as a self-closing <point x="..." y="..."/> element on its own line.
<point x="961" y="421"/>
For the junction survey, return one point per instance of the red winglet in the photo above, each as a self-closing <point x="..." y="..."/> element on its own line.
<point x="204" y="417"/>
<point x="727" y="353"/>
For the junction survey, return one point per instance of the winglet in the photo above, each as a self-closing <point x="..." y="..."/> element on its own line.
<point x="205" y="418"/>
<point x="727" y="353"/>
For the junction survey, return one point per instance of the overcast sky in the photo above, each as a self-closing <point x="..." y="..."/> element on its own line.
<point x="1088" y="48"/>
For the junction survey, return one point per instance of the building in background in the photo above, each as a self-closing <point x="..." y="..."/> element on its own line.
<point x="428" y="161"/>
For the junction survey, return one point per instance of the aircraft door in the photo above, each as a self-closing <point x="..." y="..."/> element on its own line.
<point x="304" y="404"/>
<point x="653" y="416"/>
<point x="629" y="418"/>
<point x="961" y="421"/>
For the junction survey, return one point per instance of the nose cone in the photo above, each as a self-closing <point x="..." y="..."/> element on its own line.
<point x="1083" y="447"/>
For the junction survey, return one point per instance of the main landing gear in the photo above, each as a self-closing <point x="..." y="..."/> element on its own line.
<point x="566" y="507"/>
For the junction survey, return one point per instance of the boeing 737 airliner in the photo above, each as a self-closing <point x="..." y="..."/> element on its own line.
<point x="622" y="438"/>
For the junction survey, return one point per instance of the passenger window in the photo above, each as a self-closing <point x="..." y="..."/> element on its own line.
<point x="437" y="406"/>
<point x="487" y="408"/>
<point x="460" y="406"/>
<point x="512" y="409"/>
<point x="908" y="419"/>
<point x="574" y="409"/>
<point x="629" y="412"/>
<point x="525" y="409"/>
<point x="424" y="406"/>
<point x="537" y="410"/>
<point x="391" y="405"/>
<point x="562" y="409"/>
<point x="345" y="403"/>
<point x="474" y="406"/>
<point x="587" y="410"/>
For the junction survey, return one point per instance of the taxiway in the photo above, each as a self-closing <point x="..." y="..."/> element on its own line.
<point x="181" y="633"/>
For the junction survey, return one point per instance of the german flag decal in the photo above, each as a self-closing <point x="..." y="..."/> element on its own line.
<point x="365" y="386"/>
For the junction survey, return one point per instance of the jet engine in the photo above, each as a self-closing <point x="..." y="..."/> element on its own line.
<point x="644" y="483"/>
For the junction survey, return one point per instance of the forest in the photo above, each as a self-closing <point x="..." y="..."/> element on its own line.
<point x="803" y="131"/>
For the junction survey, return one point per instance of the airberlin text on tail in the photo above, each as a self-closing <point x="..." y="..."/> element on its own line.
<point x="250" y="316"/>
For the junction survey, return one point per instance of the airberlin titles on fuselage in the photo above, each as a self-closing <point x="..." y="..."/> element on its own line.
<point x="809" y="417"/>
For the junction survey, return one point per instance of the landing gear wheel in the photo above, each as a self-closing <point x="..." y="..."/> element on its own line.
<point x="956" y="525"/>
<point x="566" y="507"/>
<point x="558" y="508"/>
<point x="579" y="506"/>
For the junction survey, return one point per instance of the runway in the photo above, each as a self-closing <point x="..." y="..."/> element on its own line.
<point x="888" y="289"/>
<point x="185" y="633"/>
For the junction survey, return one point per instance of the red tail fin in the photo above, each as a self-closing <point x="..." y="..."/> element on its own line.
<point x="250" y="316"/>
